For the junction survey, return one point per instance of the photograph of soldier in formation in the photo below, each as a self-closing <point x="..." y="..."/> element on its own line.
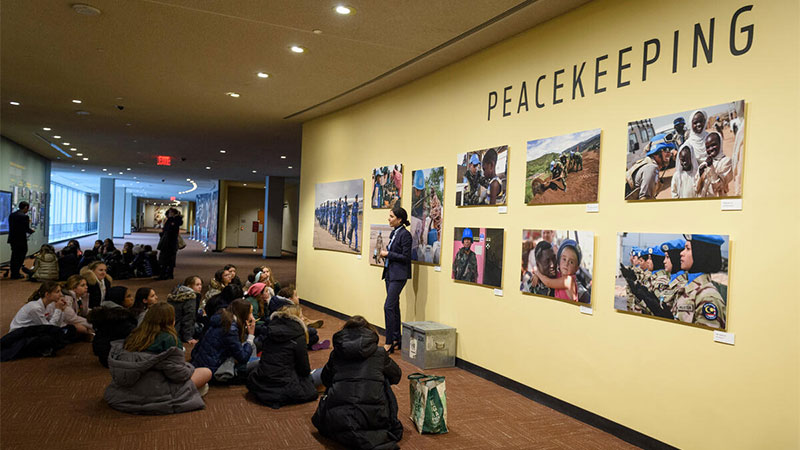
<point x="558" y="264"/>
<point x="387" y="186"/>
<point x="339" y="215"/>
<point x="478" y="256"/>
<point x="482" y="177"/>
<point x="563" y="169"/>
<point x="690" y="154"/>
<point x="680" y="277"/>
<point x="379" y="235"/>
<point x="427" y="197"/>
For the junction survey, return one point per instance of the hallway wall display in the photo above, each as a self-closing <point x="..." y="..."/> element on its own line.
<point x="339" y="211"/>
<point x="478" y="256"/>
<point x="550" y="256"/>
<point x="378" y="241"/>
<point x="701" y="154"/>
<point x="563" y="169"/>
<point x="427" y="200"/>
<point x="482" y="177"/>
<point x="681" y="277"/>
<point x="387" y="186"/>
<point x="206" y="218"/>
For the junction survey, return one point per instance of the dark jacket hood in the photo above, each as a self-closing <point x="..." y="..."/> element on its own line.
<point x="283" y="327"/>
<point x="108" y="313"/>
<point x="355" y="343"/>
<point x="127" y="367"/>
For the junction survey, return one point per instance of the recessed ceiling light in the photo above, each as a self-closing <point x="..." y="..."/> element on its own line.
<point x="56" y="137"/>
<point x="83" y="170"/>
<point x="105" y="170"/>
<point x="188" y="179"/>
<point x="120" y="173"/>
<point x="317" y="31"/>
<point x="223" y="151"/>
<point x="232" y="94"/>
<point x="262" y="75"/>
<point x="65" y="143"/>
<point x="244" y="184"/>
<point x="46" y="129"/>
<point x="208" y="168"/>
<point x="73" y="149"/>
<point x="79" y="154"/>
<point x="343" y="10"/>
<point x="297" y="49"/>
<point x="254" y="171"/>
<point x="77" y="101"/>
<point x="128" y="168"/>
<point x="290" y="167"/>
<point x="14" y="103"/>
<point x="283" y="156"/>
<point x="85" y="158"/>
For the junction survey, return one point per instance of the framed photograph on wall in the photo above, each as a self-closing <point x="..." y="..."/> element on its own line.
<point x="427" y="200"/>
<point x="478" y="256"/>
<point x="689" y="154"/>
<point x="339" y="215"/>
<point x="558" y="264"/>
<point x="378" y="241"/>
<point x="563" y="169"/>
<point x="387" y="186"/>
<point x="677" y="277"/>
<point x="482" y="177"/>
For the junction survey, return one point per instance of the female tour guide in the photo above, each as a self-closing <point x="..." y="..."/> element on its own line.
<point x="396" y="271"/>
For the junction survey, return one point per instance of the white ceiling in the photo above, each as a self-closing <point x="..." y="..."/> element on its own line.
<point x="169" y="63"/>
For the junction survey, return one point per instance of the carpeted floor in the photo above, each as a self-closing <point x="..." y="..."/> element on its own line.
<point x="58" y="402"/>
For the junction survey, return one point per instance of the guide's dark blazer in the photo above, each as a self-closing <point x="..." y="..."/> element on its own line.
<point x="399" y="257"/>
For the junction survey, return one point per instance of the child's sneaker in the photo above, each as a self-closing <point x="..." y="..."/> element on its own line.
<point x="324" y="345"/>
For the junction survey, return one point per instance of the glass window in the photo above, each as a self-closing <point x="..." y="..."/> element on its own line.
<point x="69" y="215"/>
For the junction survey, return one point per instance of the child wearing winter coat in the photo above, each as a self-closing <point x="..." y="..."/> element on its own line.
<point x="359" y="409"/>
<point x="45" y="264"/>
<point x="149" y="372"/>
<point x="283" y="376"/>
<point x="229" y="335"/>
<point x="74" y="314"/>
<point x="184" y="299"/>
<point x="112" y="320"/>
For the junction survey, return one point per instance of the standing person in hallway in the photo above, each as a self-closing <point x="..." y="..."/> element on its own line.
<point x="396" y="272"/>
<point x="168" y="245"/>
<point x="19" y="227"/>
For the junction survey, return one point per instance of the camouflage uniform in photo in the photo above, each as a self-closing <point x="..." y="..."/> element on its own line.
<point x="700" y="302"/>
<point x="465" y="266"/>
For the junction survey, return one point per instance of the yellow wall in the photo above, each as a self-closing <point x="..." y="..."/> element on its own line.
<point x="669" y="381"/>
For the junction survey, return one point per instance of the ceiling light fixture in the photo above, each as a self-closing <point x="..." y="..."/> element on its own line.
<point x="79" y="154"/>
<point x="297" y="49"/>
<point x="73" y="148"/>
<point x="254" y="171"/>
<point x="223" y="151"/>
<point x="232" y="94"/>
<point x="65" y="143"/>
<point x="262" y="75"/>
<point x="105" y="170"/>
<point x="208" y="168"/>
<point x="83" y="170"/>
<point x="46" y="129"/>
<point x="85" y="10"/>
<point x="120" y="173"/>
<point x="14" y="103"/>
<point x="56" y="137"/>
<point x="128" y="168"/>
<point x="77" y="101"/>
<point x="316" y="31"/>
<point x="344" y="10"/>
<point x="85" y="158"/>
<point x="290" y="167"/>
<point x="244" y="184"/>
<point x="283" y="156"/>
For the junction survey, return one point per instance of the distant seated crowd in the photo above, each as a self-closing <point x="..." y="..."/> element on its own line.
<point x="133" y="261"/>
<point x="251" y="333"/>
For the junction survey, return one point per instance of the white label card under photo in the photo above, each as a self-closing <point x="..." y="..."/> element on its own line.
<point x="502" y="209"/>
<point x="586" y="310"/>
<point x="592" y="207"/>
<point x="498" y="292"/>
<point x="723" y="337"/>
<point x="437" y="268"/>
<point x="731" y="204"/>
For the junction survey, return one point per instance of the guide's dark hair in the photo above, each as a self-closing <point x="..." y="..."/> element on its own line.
<point x="401" y="214"/>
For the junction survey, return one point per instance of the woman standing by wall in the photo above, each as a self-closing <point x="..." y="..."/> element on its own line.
<point x="168" y="245"/>
<point x="396" y="272"/>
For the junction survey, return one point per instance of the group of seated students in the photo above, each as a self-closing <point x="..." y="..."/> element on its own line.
<point x="242" y="334"/>
<point x="133" y="261"/>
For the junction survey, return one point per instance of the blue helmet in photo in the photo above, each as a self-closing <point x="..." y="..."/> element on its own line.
<point x="713" y="239"/>
<point x="569" y="243"/>
<point x="655" y="250"/>
<point x="419" y="180"/>
<point x="675" y="244"/>
<point x="679" y="120"/>
<point x="466" y="234"/>
<point x="661" y="146"/>
<point x="474" y="160"/>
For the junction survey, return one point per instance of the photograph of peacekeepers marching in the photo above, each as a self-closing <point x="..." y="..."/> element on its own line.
<point x="427" y="200"/>
<point x="387" y="186"/>
<point x="555" y="161"/>
<point x="691" y="154"/>
<point x="478" y="256"/>
<point x="673" y="276"/>
<point x="558" y="264"/>
<point x="339" y="215"/>
<point x="483" y="177"/>
<point x="379" y="236"/>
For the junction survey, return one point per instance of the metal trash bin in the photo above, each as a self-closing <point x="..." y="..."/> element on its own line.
<point x="429" y="345"/>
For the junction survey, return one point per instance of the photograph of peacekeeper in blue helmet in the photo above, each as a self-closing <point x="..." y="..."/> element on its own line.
<point x="387" y="186"/>
<point x="558" y="264"/>
<point x="339" y="216"/>
<point x="427" y="200"/>
<point x="478" y="256"/>
<point x="482" y="177"/>
<point x="689" y="154"/>
<point x="563" y="169"/>
<point x="680" y="277"/>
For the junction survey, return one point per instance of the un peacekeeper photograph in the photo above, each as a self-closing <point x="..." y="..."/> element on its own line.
<point x="478" y="256"/>
<point x="677" y="277"/>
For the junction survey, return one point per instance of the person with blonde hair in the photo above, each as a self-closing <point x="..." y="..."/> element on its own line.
<point x="99" y="282"/>
<point x="149" y="372"/>
<point x="75" y="312"/>
<point x="283" y="376"/>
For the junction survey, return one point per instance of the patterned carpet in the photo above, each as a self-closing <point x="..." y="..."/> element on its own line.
<point x="58" y="402"/>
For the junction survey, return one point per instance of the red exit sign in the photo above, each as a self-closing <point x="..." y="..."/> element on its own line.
<point x="172" y="199"/>
<point x="163" y="160"/>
